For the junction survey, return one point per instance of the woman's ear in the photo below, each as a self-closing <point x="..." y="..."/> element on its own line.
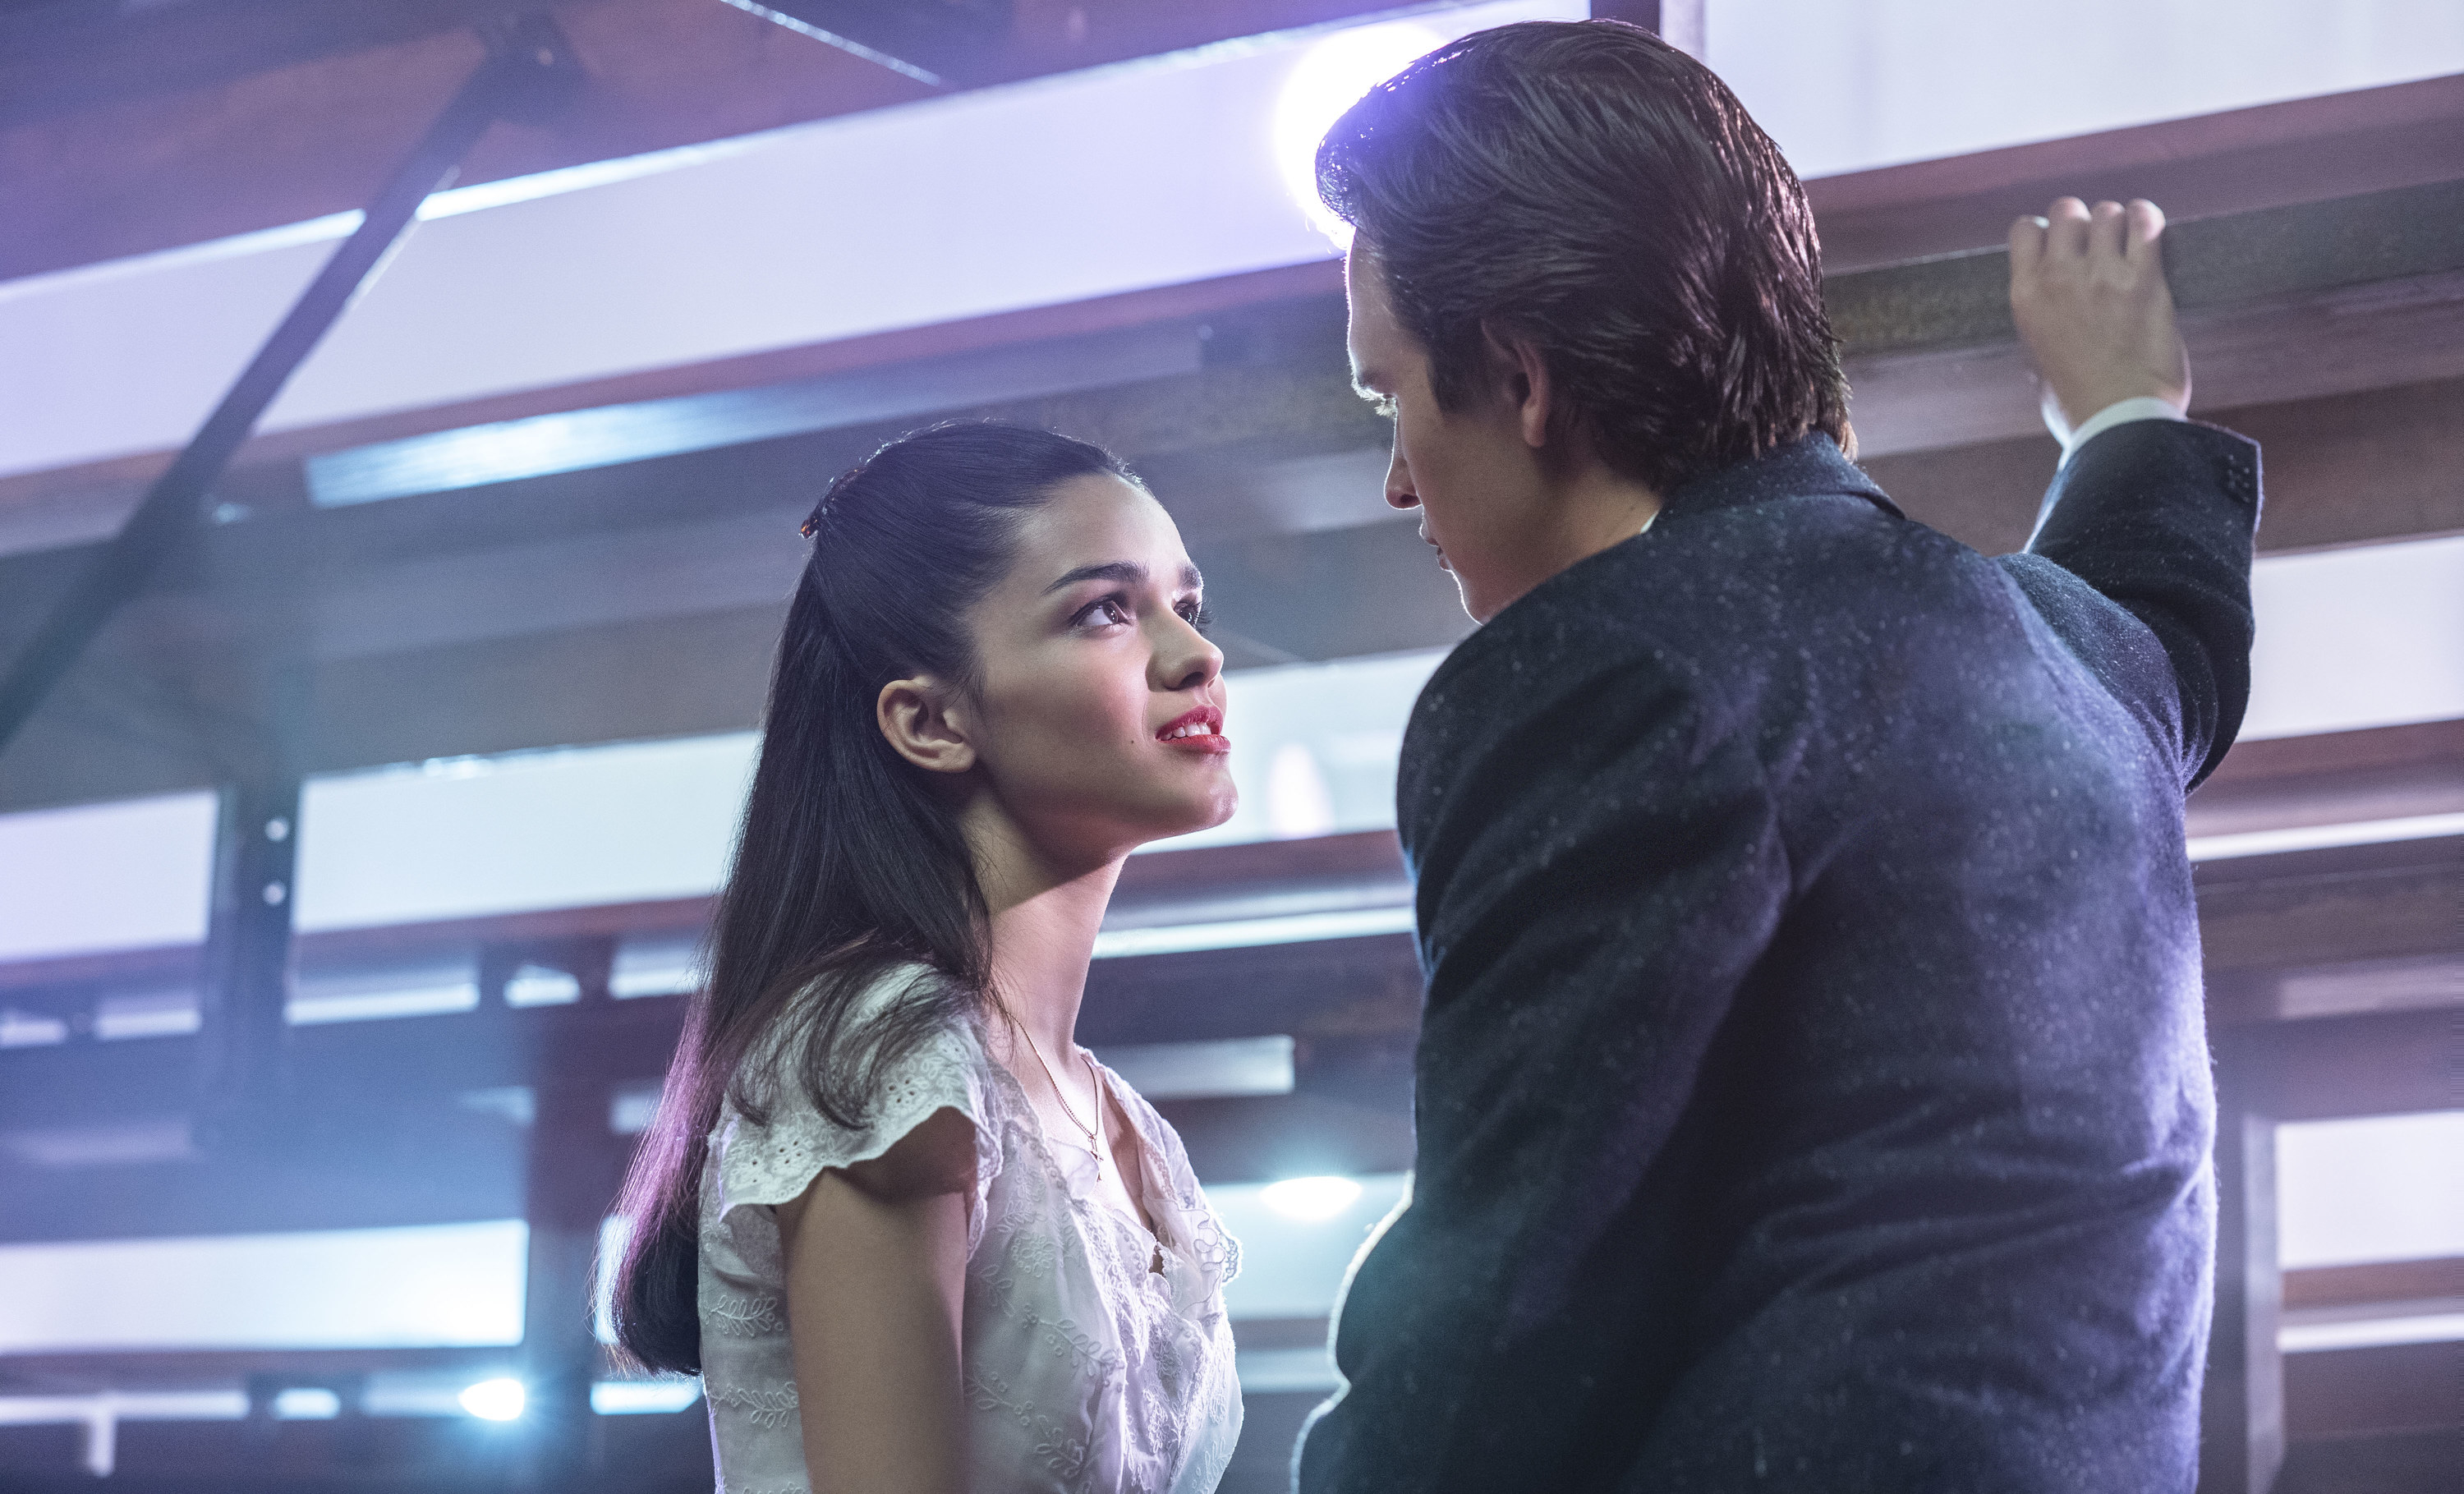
<point x="914" y="715"/>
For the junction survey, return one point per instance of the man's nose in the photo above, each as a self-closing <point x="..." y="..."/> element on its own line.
<point x="1399" y="492"/>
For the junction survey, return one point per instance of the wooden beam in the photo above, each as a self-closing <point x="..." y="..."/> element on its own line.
<point x="2374" y="1281"/>
<point x="2305" y="910"/>
<point x="2347" y="469"/>
<point x="2397" y="1388"/>
<point x="2334" y="778"/>
<point x="2273" y="155"/>
<point x="137" y="129"/>
<point x="379" y="1455"/>
<point x="2400" y="1462"/>
<point x="2335" y="145"/>
<point x="2261" y="254"/>
<point x="2330" y="1067"/>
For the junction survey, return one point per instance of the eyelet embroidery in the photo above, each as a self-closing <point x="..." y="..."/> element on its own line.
<point x="1159" y="1356"/>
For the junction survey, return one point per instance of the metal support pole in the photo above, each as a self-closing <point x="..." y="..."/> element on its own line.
<point x="246" y="978"/>
<point x="575" y="1166"/>
<point x="529" y="69"/>
<point x="2242" y="1413"/>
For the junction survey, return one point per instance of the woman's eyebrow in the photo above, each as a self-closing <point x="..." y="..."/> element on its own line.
<point x="1128" y="572"/>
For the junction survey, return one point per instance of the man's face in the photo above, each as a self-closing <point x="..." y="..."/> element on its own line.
<point x="1475" y="480"/>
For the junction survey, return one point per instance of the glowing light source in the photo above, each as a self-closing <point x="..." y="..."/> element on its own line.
<point x="1310" y="1198"/>
<point x="306" y="1403"/>
<point x="499" y="1399"/>
<point x="1298" y="800"/>
<point x="1329" y="78"/>
<point x="644" y="1397"/>
<point x="1240" y="933"/>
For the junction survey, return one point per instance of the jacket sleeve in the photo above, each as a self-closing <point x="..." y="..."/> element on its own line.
<point x="2158" y="517"/>
<point x="1597" y="877"/>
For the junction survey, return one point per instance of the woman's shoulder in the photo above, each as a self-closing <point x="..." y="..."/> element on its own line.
<point x="901" y="1017"/>
<point x="908" y="1050"/>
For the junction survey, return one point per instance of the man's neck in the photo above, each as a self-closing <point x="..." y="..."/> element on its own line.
<point x="1604" y="509"/>
<point x="1592" y="509"/>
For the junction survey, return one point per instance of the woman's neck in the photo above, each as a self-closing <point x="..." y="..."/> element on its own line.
<point x="1044" y="918"/>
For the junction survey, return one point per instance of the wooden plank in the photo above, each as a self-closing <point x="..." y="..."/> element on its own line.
<point x="2396" y="1388"/>
<point x="2334" y="778"/>
<point x="2342" y="470"/>
<point x="2380" y="1064"/>
<point x="2379" y="1281"/>
<point x="2319" y="908"/>
<point x="2369" y="337"/>
<point x="2260" y="255"/>
<point x="2387" y="1462"/>
<point x="172" y="124"/>
<point x="2301" y="150"/>
<point x="394" y="1454"/>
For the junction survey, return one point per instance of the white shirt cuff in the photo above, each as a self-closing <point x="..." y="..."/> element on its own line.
<point x="2120" y="413"/>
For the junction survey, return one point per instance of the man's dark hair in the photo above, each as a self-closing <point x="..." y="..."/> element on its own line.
<point x="1588" y="188"/>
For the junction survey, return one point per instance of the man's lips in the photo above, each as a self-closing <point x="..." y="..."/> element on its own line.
<point x="1200" y="730"/>
<point x="1434" y="545"/>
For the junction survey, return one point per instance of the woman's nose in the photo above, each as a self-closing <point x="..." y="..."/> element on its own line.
<point x="1193" y="663"/>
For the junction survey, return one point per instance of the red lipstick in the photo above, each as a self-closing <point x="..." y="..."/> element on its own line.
<point x="1199" y="731"/>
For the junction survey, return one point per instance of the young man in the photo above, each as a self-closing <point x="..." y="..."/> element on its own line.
<point x="1812" y="1084"/>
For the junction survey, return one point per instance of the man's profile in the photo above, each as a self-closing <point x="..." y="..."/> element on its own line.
<point x="1813" y="1088"/>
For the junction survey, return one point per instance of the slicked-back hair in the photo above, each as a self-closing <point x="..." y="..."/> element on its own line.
<point x="1586" y="187"/>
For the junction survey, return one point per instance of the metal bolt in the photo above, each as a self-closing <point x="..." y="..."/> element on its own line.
<point x="275" y="893"/>
<point x="278" y="829"/>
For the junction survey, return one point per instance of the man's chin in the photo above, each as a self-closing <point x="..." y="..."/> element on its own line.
<point x="1473" y="607"/>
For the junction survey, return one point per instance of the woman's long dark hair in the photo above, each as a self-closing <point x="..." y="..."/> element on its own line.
<point x="848" y="861"/>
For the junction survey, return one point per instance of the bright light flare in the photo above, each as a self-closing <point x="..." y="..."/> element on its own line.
<point x="499" y="1399"/>
<point x="1311" y="1199"/>
<point x="306" y="1403"/>
<point x="1330" y="77"/>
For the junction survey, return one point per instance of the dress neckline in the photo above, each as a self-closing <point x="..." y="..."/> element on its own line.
<point x="1074" y="1179"/>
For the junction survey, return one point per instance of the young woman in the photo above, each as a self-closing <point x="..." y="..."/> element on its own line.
<point x="911" y="1236"/>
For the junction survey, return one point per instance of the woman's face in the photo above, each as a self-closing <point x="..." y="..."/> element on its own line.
<point x="1099" y="724"/>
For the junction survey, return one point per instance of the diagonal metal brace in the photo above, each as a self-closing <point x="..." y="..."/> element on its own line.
<point x="530" y="70"/>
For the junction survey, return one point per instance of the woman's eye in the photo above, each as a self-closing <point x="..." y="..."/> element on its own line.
<point x="1195" y="615"/>
<point x="1108" y="611"/>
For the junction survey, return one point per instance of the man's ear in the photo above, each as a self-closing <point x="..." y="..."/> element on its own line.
<point x="915" y="715"/>
<point x="1523" y="383"/>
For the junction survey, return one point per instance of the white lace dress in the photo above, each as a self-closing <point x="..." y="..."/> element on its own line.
<point x="1085" y="1369"/>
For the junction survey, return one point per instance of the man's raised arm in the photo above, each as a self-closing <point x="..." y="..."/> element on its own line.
<point x="2151" y="512"/>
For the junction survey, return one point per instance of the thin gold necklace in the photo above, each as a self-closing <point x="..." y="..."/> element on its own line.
<point x="1094" y="1132"/>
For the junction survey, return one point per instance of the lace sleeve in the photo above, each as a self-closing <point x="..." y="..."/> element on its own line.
<point x="771" y="1164"/>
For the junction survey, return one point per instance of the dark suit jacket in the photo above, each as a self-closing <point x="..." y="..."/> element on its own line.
<point x="1813" y="1091"/>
